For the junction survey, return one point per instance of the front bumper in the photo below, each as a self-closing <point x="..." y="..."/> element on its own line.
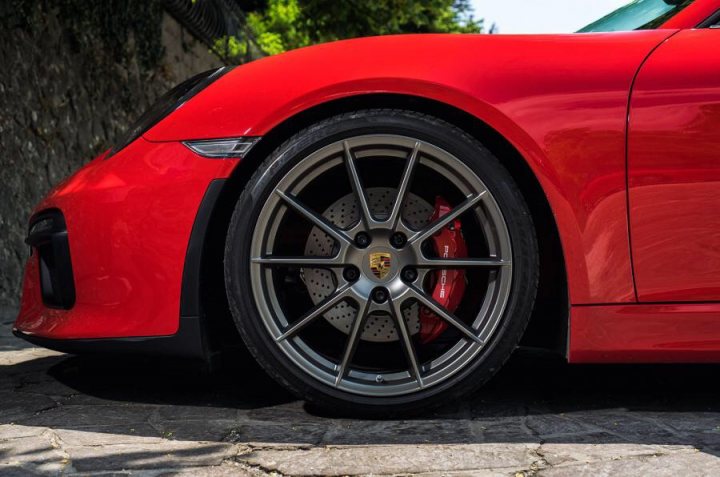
<point x="127" y="224"/>
<point x="188" y="342"/>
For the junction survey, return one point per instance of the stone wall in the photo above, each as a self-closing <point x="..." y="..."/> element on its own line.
<point x="62" y="101"/>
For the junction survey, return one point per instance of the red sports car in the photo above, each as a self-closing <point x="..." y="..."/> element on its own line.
<point x="384" y="220"/>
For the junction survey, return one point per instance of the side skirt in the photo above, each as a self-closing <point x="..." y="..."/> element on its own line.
<point x="645" y="333"/>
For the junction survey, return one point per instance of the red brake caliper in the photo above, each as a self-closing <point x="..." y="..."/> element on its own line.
<point x="449" y="285"/>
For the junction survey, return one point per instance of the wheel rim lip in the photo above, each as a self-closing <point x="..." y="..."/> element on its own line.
<point x="442" y="367"/>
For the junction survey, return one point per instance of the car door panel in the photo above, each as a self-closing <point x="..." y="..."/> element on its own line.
<point x="674" y="170"/>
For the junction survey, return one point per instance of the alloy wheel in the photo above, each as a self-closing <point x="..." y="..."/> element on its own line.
<point x="344" y="264"/>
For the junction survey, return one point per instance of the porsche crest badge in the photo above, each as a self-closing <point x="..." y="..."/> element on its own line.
<point x="380" y="264"/>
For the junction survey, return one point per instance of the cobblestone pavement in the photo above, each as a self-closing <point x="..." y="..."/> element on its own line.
<point x="68" y="415"/>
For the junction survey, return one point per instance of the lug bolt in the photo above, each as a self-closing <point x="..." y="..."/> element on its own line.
<point x="379" y="295"/>
<point x="362" y="240"/>
<point x="351" y="274"/>
<point x="409" y="274"/>
<point x="398" y="240"/>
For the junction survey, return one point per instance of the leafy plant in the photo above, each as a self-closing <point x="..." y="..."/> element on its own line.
<point x="281" y="25"/>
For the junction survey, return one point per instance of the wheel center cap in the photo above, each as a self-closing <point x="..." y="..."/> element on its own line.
<point x="380" y="264"/>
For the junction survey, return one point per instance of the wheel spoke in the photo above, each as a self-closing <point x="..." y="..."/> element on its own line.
<point x="314" y="217"/>
<point x="403" y="188"/>
<point x="353" y="341"/>
<point x="310" y="262"/>
<point x="440" y="310"/>
<point x="339" y="295"/>
<point x="441" y="222"/>
<point x="357" y="187"/>
<point x="462" y="263"/>
<point x="406" y="342"/>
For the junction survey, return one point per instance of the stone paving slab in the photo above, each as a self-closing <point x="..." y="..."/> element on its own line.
<point x="64" y="415"/>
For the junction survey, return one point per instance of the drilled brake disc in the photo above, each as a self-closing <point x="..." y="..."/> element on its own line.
<point x="321" y="283"/>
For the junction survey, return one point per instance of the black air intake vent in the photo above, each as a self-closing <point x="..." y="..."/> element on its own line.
<point x="49" y="238"/>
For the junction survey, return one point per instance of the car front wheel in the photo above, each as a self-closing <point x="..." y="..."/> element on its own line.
<point x="381" y="262"/>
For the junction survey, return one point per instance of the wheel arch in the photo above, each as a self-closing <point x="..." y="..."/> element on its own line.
<point x="549" y="321"/>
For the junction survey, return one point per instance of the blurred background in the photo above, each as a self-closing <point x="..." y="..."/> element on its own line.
<point x="75" y="73"/>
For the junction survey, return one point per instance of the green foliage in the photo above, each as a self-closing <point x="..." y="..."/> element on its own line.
<point x="278" y="26"/>
<point x="286" y="24"/>
<point x="229" y="47"/>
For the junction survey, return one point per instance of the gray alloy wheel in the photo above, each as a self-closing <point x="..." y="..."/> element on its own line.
<point x="401" y="283"/>
<point x="380" y="263"/>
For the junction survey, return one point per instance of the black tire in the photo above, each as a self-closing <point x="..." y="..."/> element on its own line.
<point x="441" y="134"/>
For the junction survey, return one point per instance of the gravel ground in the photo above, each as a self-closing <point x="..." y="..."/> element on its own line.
<point x="68" y="415"/>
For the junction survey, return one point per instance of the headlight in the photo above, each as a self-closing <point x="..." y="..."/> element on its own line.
<point x="168" y="103"/>
<point x="231" y="147"/>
